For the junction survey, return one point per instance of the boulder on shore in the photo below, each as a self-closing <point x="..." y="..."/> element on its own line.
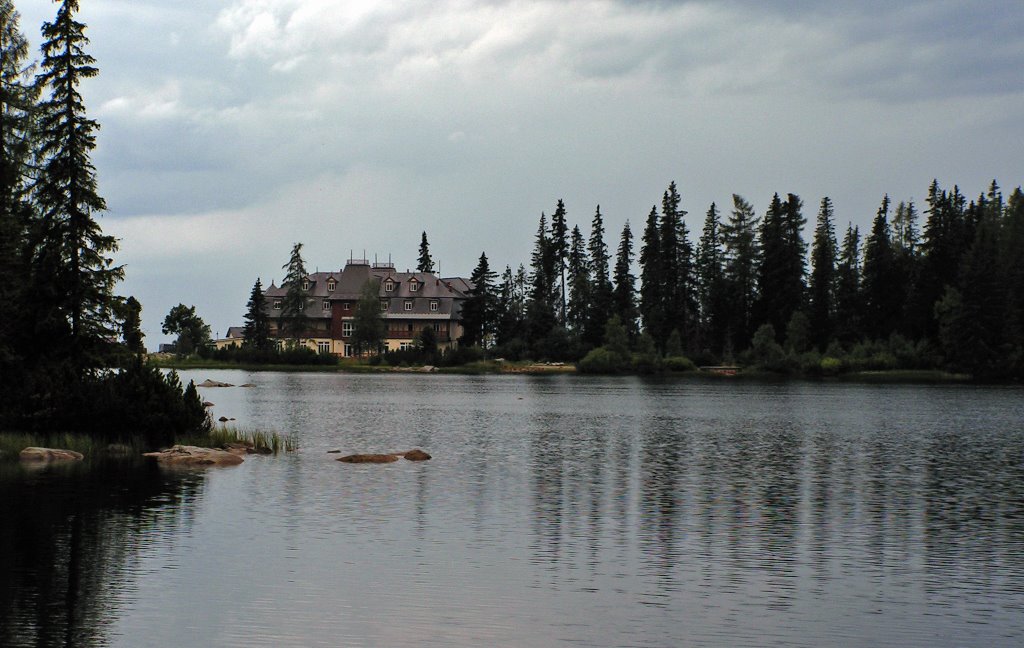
<point x="368" y="458"/>
<point x="182" y="455"/>
<point x="49" y="454"/>
<point x="416" y="455"/>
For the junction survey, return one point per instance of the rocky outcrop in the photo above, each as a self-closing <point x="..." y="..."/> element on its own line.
<point x="35" y="454"/>
<point x="416" y="455"/>
<point x="214" y="383"/>
<point x="181" y="455"/>
<point x="369" y="458"/>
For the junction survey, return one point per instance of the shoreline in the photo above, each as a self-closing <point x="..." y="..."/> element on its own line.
<point x="892" y="376"/>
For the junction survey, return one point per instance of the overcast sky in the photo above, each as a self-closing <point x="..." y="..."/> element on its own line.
<point x="232" y="129"/>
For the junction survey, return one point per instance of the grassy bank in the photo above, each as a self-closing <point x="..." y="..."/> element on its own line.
<point x="12" y="443"/>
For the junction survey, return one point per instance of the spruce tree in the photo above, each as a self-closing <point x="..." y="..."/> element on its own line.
<point x="780" y="276"/>
<point x="367" y="325"/>
<point x="18" y="94"/>
<point x="74" y="257"/>
<point x="1012" y="268"/>
<point x="624" y="291"/>
<point x="293" y="320"/>
<point x="600" y="308"/>
<point x="823" y="277"/>
<point x="711" y="285"/>
<point x="478" y="311"/>
<point x="426" y="263"/>
<point x="650" y="277"/>
<point x="540" y="309"/>
<point x="580" y="283"/>
<point x="849" y="309"/>
<point x="882" y="300"/>
<point x="739" y="238"/>
<point x="131" y="327"/>
<point x="560" y="246"/>
<point x="678" y="294"/>
<point x="256" y="330"/>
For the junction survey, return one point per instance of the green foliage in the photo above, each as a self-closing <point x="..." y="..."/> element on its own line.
<point x="256" y="331"/>
<point x="293" y="320"/>
<point x="131" y="331"/>
<point x="291" y="355"/>
<point x="645" y="358"/>
<point x="193" y="333"/>
<point x="798" y="333"/>
<point x="678" y="364"/>
<point x="601" y="361"/>
<point x="425" y="263"/>
<point x="367" y="325"/>
<point x="765" y="352"/>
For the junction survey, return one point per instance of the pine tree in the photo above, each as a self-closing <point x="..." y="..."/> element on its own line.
<point x="739" y="238"/>
<point x="131" y="327"/>
<point x="601" y="286"/>
<point x="367" y="324"/>
<point x="256" y="331"/>
<point x="624" y="292"/>
<point x="18" y="94"/>
<point x="293" y="320"/>
<point x="510" y="308"/>
<point x="540" y="309"/>
<point x="650" y="278"/>
<point x="478" y="312"/>
<point x="823" y="277"/>
<point x="780" y="277"/>
<point x="711" y="284"/>
<point x="426" y="263"/>
<point x="678" y="295"/>
<point x="580" y="283"/>
<point x="74" y="253"/>
<point x="882" y="301"/>
<point x="1012" y="265"/>
<point x="560" y="245"/>
<point x="848" y="289"/>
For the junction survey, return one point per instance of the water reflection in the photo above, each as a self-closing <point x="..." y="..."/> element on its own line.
<point x="69" y="537"/>
<point x="600" y="512"/>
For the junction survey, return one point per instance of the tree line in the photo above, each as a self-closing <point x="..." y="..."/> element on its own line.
<point x="70" y="347"/>
<point x="947" y="293"/>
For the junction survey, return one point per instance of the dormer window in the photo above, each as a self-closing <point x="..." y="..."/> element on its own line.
<point x="433" y="305"/>
<point x="277" y="304"/>
<point x="408" y="305"/>
<point x="389" y="285"/>
<point x="305" y="284"/>
<point x="331" y="285"/>
<point x="414" y="285"/>
<point x="327" y="305"/>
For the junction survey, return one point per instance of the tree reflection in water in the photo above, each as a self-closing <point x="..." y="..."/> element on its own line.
<point x="69" y="537"/>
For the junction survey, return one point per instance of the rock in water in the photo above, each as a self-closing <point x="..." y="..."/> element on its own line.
<point x="181" y="455"/>
<point x="49" y="454"/>
<point x="214" y="383"/>
<point x="369" y="458"/>
<point x="416" y="455"/>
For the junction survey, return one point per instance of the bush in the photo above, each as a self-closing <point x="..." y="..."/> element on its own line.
<point x="830" y="366"/>
<point x="678" y="364"/>
<point x="600" y="361"/>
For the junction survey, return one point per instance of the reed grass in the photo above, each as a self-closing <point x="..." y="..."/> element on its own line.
<point x="260" y="440"/>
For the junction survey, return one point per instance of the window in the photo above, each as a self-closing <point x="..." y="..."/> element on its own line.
<point x="349" y="350"/>
<point x="305" y="284"/>
<point x="346" y="329"/>
<point x="347" y="306"/>
<point x="383" y="304"/>
<point x="405" y="346"/>
<point x="433" y="306"/>
<point x="323" y="347"/>
<point x="408" y="305"/>
<point x="409" y="328"/>
<point x="327" y="304"/>
<point x="414" y="285"/>
<point x="389" y="285"/>
<point x="437" y="327"/>
<point x="277" y="304"/>
<point x="331" y="285"/>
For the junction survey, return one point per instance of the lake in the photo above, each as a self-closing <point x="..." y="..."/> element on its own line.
<point x="557" y="511"/>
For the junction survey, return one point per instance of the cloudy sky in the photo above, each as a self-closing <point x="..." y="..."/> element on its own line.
<point x="232" y="129"/>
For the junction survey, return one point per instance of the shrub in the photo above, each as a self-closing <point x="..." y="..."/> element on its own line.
<point x="678" y="364"/>
<point x="600" y="361"/>
<point x="830" y="366"/>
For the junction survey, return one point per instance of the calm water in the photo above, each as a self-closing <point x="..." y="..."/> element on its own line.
<point x="556" y="512"/>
